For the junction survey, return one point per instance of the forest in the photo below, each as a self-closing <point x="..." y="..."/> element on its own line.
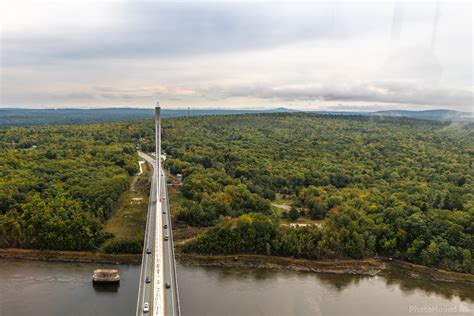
<point x="60" y="184"/>
<point x="392" y="187"/>
<point x="357" y="186"/>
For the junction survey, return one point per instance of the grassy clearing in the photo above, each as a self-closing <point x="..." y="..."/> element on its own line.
<point x="183" y="233"/>
<point x="283" y="199"/>
<point x="277" y="209"/>
<point x="282" y="204"/>
<point x="128" y="222"/>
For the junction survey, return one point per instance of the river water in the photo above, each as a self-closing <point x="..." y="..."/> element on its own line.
<point x="56" y="288"/>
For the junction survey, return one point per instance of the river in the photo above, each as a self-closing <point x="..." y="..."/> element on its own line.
<point x="57" y="288"/>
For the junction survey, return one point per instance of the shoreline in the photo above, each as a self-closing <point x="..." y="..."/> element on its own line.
<point x="367" y="267"/>
<point x="416" y="270"/>
<point x="69" y="256"/>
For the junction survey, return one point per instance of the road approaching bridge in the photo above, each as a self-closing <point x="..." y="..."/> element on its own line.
<point x="158" y="289"/>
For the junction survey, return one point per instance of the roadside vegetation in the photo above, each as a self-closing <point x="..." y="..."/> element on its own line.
<point x="128" y="222"/>
<point x="393" y="187"/>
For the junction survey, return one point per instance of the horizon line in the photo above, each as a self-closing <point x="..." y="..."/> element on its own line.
<point x="228" y="109"/>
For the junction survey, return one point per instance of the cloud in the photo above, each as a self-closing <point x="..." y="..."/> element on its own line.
<point x="391" y="92"/>
<point x="235" y="54"/>
<point x="150" y="29"/>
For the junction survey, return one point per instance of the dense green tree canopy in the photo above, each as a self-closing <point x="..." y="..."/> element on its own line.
<point x="382" y="186"/>
<point x="388" y="186"/>
<point x="59" y="184"/>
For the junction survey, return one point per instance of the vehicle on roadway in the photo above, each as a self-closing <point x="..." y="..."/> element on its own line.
<point x="148" y="250"/>
<point x="165" y="226"/>
<point x="167" y="237"/>
<point x="164" y="212"/>
<point x="148" y="279"/>
<point x="146" y="309"/>
<point x="167" y="285"/>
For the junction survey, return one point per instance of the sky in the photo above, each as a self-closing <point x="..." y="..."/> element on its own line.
<point x="336" y="55"/>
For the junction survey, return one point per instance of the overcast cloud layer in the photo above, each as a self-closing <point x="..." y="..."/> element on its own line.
<point x="335" y="55"/>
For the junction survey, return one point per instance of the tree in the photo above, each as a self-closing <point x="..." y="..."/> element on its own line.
<point x="414" y="250"/>
<point x="316" y="206"/>
<point x="430" y="255"/>
<point x="453" y="201"/>
<point x="293" y="214"/>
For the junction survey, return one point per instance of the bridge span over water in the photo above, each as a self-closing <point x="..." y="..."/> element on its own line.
<point x="158" y="289"/>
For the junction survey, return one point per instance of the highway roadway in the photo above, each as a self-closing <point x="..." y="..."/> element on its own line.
<point x="169" y="268"/>
<point x="146" y="290"/>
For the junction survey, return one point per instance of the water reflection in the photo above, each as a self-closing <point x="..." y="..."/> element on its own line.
<point x="223" y="291"/>
<point x="229" y="274"/>
<point x="411" y="283"/>
<point x="340" y="281"/>
<point x="63" y="288"/>
<point x="389" y="279"/>
<point x="250" y="291"/>
<point x="106" y="287"/>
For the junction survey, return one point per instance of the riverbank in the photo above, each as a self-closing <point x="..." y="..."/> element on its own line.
<point x="368" y="267"/>
<point x="372" y="266"/>
<point x="419" y="271"/>
<point x="339" y="266"/>
<point x="70" y="256"/>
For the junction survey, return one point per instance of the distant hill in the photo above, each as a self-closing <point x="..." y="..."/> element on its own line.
<point x="25" y="117"/>
<point x="438" y="115"/>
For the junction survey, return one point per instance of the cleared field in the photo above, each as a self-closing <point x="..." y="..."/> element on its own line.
<point x="129" y="220"/>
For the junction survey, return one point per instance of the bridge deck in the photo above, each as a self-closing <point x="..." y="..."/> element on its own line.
<point x="159" y="265"/>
